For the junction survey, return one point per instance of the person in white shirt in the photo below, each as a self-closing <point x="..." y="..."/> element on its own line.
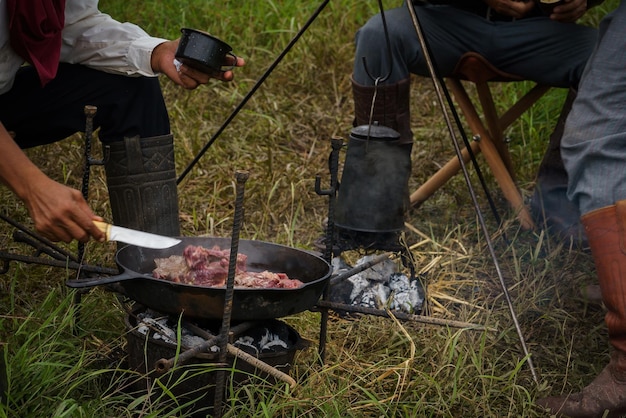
<point x="100" y="62"/>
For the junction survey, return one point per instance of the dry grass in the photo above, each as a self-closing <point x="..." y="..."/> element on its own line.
<point x="374" y="366"/>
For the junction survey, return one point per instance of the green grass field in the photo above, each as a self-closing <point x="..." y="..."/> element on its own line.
<point x="66" y="359"/>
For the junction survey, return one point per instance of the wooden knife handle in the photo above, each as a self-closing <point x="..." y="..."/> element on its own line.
<point x="104" y="227"/>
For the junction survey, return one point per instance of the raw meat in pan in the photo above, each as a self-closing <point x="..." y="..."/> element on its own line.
<point x="202" y="266"/>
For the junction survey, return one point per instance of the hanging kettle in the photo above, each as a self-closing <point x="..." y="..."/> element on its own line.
<point x="373" y="193"/>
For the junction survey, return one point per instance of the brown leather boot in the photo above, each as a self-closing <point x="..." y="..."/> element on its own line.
<point x="391" y="107"/>
<point x="606" y="231"/>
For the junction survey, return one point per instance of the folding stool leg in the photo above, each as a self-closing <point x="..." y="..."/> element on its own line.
<point x="441" y="177"/>
<point x="492" y="155"/>
<point x="522" y="105"/>
<point x="494" y="128"/>
<point x="505" y="181"/>
<point x="497" y="124"/>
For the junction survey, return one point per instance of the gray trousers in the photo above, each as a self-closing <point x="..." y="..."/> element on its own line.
<point x="536" y="48"/>
<point x="594" y="141"/>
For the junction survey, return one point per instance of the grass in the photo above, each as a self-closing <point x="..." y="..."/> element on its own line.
<point x="65" y="359"/>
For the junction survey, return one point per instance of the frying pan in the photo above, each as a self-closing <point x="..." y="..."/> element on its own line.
<point x="136" y="281"/>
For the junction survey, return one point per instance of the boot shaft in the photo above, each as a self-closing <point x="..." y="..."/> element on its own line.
<point x="606" y="232"/>
<point x="391" y="107"/>
<point x="141" y="178"/>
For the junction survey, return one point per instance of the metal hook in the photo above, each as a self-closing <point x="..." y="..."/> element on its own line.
<point x="388" y="43"/>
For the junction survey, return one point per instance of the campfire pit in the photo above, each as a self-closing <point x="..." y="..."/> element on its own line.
<point x="152" y="336"/>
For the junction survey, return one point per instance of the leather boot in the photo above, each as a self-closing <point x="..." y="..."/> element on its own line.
<point x="141" y="178"/>
<point x="391" y="107"/>
<point x="550" y="207"/>
<point x="606" y="231"/>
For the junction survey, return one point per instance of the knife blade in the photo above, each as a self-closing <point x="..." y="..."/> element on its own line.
<point x="134" y="237"/>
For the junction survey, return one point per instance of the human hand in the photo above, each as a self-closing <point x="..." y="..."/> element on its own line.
<point x="569" y="11"/>
<point x="513" y="8"/>
<point x="59" y="212"/>
<point x="163" y="62"/>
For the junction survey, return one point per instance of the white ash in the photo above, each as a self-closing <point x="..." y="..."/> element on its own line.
<point x="378" y="272"/>
<point x="359" y="285"/>
<point x="268" y="342"/>
<point x="162" y="331"/>
<point x="378" y="287"/>
<point x="372" y="296"/>
<point x="339" y="265"/>
<point x="256" y="340"/>
<point x="406" y="293"/>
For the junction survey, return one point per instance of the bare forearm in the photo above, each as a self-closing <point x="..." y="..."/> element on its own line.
<point x="59" y="212"/>
<point x="17" y="172"/>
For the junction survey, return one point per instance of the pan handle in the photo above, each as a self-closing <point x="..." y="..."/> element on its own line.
<point x="98" y="281"/>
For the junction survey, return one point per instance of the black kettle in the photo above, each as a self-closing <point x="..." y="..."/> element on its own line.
<point x="373" y="193"/>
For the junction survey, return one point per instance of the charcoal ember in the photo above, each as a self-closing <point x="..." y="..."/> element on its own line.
<point x="374" y="296"/>
<point x="271" y="342"/>
<point x="268" y="337"/>
<point x="341" y="292"/>
<point x="407" y="295"/>
<point x="339" y="265"/>
<point x="263" y="340"/>
<point x="378" y="287"/>
<point x="378" y="272"/>
<point x="348" y="291"/>
<point x="161" y="328"/>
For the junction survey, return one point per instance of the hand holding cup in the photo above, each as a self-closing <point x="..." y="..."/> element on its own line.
<point x="204" y="52"/>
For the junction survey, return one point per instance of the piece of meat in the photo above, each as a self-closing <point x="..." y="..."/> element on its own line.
<point x="213" y="275"/>
<point x="202" y="266"/>
<point x="199" y="258"/>
<point x="172" y="268"/>
<point x="266" y="279"/>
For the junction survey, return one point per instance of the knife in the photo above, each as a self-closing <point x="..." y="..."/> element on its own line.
<point x="131" y="236"/>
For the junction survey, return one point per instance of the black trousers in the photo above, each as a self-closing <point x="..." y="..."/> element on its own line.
<point x="127" y="106"/>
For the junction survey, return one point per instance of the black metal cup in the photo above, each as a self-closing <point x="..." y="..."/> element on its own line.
<point x="203" y="52"/>
<point x="547" y="6"/>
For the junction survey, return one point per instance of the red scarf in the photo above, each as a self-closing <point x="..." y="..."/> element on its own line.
<point x="35" y="32"/>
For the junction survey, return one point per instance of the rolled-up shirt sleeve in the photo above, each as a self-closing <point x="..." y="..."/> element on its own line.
<point x="90" y="38"/>
<point x="96" y="40"/>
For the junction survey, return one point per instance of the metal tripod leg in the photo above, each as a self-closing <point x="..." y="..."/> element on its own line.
<point x="439" y="85"/>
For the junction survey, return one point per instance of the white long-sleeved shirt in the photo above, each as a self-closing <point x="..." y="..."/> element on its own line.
<point x="90" y="38"/>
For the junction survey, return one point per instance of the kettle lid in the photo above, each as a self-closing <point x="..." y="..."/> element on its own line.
<point x="375" y="132"/>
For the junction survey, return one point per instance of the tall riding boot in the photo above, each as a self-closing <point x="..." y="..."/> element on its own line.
<point x="549" y="205"/>
<point x="606" y="231"/>
<point x="141" y="178"/>
<point x="391" y="107"/>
